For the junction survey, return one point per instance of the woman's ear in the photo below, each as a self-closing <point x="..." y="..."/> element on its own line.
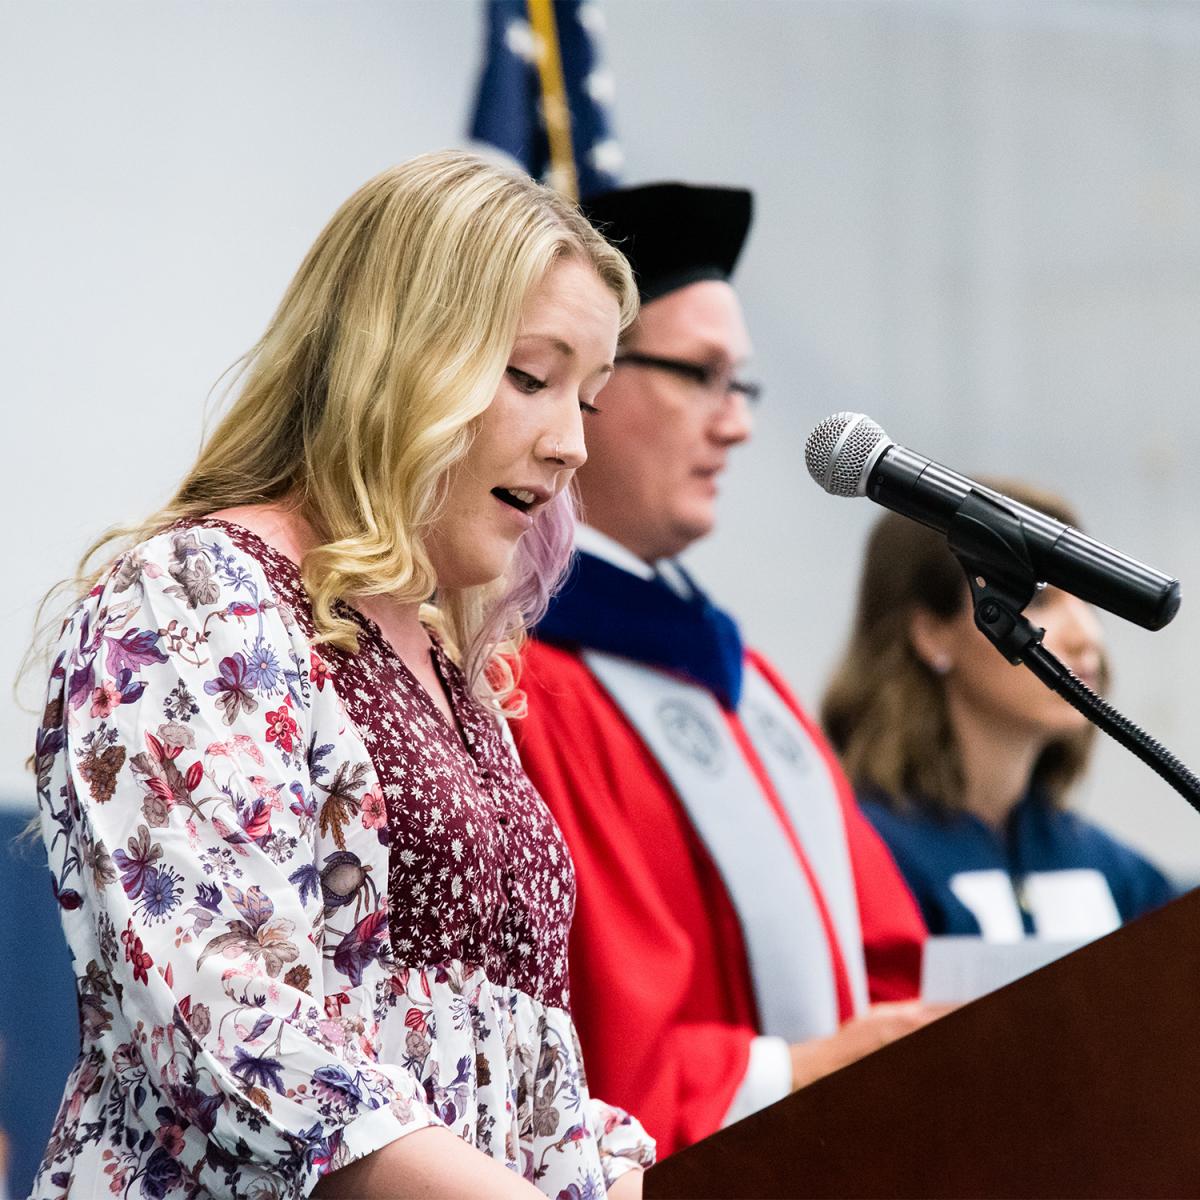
<point x="932" y="639"/>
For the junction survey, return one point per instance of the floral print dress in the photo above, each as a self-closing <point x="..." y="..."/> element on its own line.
<point x="307" y="915"/>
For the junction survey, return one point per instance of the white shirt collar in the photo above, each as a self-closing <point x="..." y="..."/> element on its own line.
<point x="600" y="545"/>
<point x="591" y="541"/>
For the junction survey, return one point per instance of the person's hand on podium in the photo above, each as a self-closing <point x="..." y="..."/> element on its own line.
<point x="628" y="1187"/>
<point x="858" y="1037"/>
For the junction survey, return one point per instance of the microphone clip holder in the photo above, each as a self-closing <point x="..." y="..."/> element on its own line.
<point x="989" y="542"/>
<point x="987" y="539"/>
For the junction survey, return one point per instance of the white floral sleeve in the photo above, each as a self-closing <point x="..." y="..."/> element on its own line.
<point x="231" y="1039"/>
<point x="623" y="1144"/>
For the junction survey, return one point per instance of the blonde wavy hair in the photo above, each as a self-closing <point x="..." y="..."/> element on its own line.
<point x="362" y="395"/>
<point x="885" y="709"/>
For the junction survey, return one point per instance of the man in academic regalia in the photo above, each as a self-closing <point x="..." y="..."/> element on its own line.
<point x="738" y="922"/>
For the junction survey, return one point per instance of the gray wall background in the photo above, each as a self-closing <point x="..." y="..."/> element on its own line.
<point x="978" y="222"/>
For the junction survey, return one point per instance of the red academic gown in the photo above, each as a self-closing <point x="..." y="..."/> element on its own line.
<point x="661" y="990"/>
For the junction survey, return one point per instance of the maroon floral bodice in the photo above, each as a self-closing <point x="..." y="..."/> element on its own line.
<point x="479" y="871"/>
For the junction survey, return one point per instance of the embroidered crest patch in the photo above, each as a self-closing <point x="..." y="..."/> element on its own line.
<point x="690" y="732"/>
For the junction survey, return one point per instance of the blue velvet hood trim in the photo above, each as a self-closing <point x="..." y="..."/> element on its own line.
<point x="601" y="607"/>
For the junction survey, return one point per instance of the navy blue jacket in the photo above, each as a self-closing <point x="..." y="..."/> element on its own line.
<point x="935" y="853"/>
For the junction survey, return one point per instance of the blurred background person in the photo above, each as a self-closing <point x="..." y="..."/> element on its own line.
<point x="737" y="916"/>
<point x="964" y="762"/>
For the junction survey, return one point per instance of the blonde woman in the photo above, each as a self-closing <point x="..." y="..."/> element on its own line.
<point x="318" y="915"/>
<point x="964" y="762"/>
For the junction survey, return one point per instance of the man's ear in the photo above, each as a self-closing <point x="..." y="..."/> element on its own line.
<point x="932" y="639"/>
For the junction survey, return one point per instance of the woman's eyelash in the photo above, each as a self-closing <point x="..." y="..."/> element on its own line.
<point x="524" y="381"/>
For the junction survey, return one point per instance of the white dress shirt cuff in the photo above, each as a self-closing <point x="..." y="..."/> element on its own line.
<point x="768" y="1078"/>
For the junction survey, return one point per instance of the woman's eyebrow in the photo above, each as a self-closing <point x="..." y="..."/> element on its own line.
<point x="555" y="341"/>
<point x="563" y="348"/>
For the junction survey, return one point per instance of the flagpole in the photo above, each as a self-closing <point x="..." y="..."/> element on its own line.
<point x="555" y="106"/>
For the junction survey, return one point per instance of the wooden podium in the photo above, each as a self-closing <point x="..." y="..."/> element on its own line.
<point x="1082" y="1079"/>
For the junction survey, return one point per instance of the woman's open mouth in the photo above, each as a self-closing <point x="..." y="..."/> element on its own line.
<point x="516" y="498"/>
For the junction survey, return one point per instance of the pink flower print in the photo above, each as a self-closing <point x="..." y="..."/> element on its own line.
<point x="170" y="1138"/>
<point x="333" y="1031"/>
<point x="255" y="819"/>
<point x="335" y="1003"/>
<point x="318" y="672"/>
<point x="281" y="726"/>
<point x="264" y="789"/>
<point x="134" y="953"/>
<point x="104" y="699"/>
<point x="374" y="810"/>
<point x="85" y="1085"/>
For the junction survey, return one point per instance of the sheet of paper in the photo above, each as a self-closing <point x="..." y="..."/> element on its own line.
<point x="955" y="970"/>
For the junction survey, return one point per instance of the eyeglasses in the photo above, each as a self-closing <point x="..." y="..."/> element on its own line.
<point x="718" y="382"/>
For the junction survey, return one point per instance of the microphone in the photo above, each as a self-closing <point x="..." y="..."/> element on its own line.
<point x="848" y="454"/>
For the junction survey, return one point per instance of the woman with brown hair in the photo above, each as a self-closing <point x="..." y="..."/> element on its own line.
<point x="963" y="761"/>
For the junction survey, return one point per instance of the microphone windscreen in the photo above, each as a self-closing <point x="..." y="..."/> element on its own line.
<point x="841" y="450"/>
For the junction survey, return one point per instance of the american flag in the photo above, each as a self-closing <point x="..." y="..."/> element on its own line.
<point x="545" y="95"/>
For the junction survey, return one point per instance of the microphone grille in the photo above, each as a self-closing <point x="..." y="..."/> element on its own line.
<point x="841" y="451"/>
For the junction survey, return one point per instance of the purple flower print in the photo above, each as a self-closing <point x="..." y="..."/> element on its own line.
<point x="251" y="1070"/>
<point x="137" y="865"/>
<point x="364" y="943"/>
<point x="208" y="896"/>
<point x="262" y="668"/>
<point x="336" y="1086"/>
<point x="230" y="688"/>
<point x="160" y="893"/>
<point x="133" y="649"/>
<point x="163" y="1174"/>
